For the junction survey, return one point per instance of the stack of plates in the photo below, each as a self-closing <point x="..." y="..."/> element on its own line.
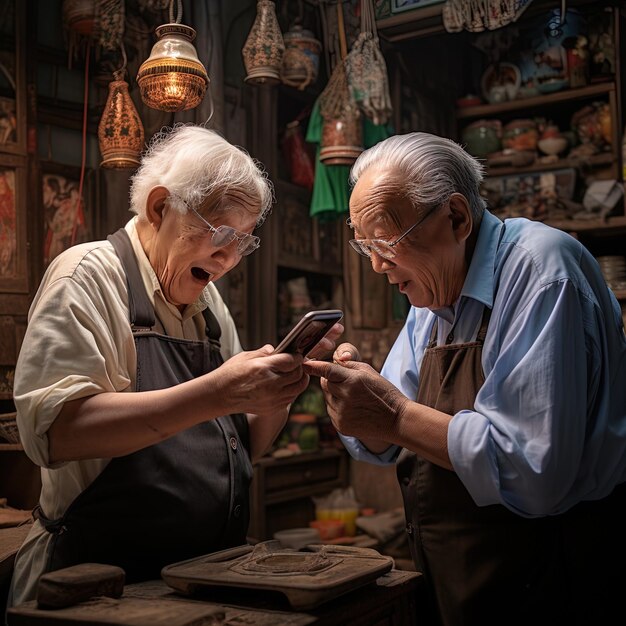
<point x="614" y="270"/>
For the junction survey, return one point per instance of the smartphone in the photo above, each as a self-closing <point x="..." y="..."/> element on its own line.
<point x="309" y="331"/>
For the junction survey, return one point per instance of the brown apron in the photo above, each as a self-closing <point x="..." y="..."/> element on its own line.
<point x="486" y="565"/>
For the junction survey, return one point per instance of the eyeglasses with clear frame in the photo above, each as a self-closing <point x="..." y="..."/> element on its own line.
<point x="383" y="248"/>
<point x="224" y="235"/>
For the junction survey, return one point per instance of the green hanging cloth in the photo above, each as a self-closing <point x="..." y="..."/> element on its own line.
<point x="331" y="188"/>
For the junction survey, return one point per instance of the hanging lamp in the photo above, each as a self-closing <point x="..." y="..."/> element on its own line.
<point x="172" y="78"/>
<point x="120" y="132"/>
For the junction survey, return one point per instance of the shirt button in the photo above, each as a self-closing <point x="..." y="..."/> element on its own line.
<point x="233" y="443"/>
<point x="450" y="338"/>
<point x="237" y="510"/>
<point x="409" y="529"/>
<point x="406" y="480"/>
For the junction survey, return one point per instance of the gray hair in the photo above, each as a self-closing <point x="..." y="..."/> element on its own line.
<point x="196" y="164"/>
<point x="432" y="168"/>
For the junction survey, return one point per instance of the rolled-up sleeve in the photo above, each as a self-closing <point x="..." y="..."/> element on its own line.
<point x="69" y="351"/>
<point x="523" y="443"/>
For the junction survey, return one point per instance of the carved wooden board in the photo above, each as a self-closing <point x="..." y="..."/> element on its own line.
<point x="306" y="578"/>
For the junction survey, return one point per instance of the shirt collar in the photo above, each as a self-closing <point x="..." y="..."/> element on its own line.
<point x="479" y="282"/>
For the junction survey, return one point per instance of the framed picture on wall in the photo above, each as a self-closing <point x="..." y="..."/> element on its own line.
<point x="8" y="122"/>
<point x="13" y="245"/>
<point x="67" y="213"/>
<point x="12" y="78"/>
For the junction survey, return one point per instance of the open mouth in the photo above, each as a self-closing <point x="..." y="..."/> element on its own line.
<point x="200" y="274"/>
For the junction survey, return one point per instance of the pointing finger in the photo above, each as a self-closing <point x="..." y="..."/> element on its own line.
<point x="330" y="371"/>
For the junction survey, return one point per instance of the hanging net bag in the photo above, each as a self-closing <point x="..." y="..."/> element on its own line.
<point x="367" y="71"/>
<point x="342" y="132"/>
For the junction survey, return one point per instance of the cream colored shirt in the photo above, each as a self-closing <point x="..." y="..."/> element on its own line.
<point x="79" y="343"/>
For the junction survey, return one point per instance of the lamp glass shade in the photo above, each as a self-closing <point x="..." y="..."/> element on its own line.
<point x="172" y="78"/>
<point x="120" y="132"/>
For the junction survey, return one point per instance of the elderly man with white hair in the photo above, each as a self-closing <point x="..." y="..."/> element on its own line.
<point x="132" y="390"/>
<point x="502" y="401"/>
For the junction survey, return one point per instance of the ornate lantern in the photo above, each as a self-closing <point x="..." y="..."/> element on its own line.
<point x="173" y="78"/>
<point x="120" y="132"/>
<point x="264" y="47"/>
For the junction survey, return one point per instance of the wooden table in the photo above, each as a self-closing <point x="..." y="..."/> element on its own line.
<point x="393" y="599"/>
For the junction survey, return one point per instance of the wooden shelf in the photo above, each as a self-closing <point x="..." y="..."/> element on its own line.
<point x="411" y="24"/>
<point x="609" y="226"/>
<point x="7" y="447"/>
<point x="597" y="160"/>
<point x="620" y="294"/>
<point x="522" y="104"/>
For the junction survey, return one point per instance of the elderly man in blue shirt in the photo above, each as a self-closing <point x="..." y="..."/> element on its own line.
<point x="502" y="402"/>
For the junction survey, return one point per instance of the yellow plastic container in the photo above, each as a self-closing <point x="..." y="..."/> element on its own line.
<point x="347" y="516"/>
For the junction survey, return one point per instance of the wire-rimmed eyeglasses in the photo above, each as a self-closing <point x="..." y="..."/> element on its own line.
<point x="383" y="248"/>
<point x="224" y="235"/>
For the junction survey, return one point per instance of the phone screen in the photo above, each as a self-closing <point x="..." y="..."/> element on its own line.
<point x="309" y="331"/>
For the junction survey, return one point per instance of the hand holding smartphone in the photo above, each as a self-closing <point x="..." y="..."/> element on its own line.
<point x="309" y="331"/>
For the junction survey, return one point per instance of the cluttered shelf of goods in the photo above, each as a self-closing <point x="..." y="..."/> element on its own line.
<point x="543" y="115"/>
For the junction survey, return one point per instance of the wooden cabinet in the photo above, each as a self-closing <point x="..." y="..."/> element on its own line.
<point x="282" y="489"/>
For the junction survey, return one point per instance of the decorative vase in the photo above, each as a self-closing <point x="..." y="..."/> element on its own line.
<point x="342" y="139"/>
<point x="120" y="132"/>
<point x="264" y="47"/>
<point x="301" y="58"/>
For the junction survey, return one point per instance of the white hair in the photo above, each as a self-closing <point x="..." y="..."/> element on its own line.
<point x="432" y="168"/>
<point x="196" y="164"/>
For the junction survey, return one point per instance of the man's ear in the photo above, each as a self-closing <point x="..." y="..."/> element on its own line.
<point x="461" y="216"/>
<point x="156" y="205"/>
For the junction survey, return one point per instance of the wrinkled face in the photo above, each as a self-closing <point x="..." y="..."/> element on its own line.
<point x="184" y="257"/>
<point x="430" y="264"/>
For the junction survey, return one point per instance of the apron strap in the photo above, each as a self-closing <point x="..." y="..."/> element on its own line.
<point x="140" y="307"/>
<point x="212" y="328"/>
<point x="52" y="526"/>
<point x="433" y="335"/>
<point x="480" y="337"/>
<point x="484" y="325"/>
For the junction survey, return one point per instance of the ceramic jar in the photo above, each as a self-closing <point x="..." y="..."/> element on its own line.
<point x="301" y="59"/>
<point x="264" y="47"/>
<point x="483" y="137"/>
<point x="520" y="135"/>
<point x="342" y="139"/>
<point x="120" y="132"/>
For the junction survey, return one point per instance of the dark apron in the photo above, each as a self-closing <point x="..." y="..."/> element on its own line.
<point x="180" y="498"/>
<point x="486" y="565"/>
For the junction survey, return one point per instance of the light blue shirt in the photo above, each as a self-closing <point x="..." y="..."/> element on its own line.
<point x="548" y="428"/>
